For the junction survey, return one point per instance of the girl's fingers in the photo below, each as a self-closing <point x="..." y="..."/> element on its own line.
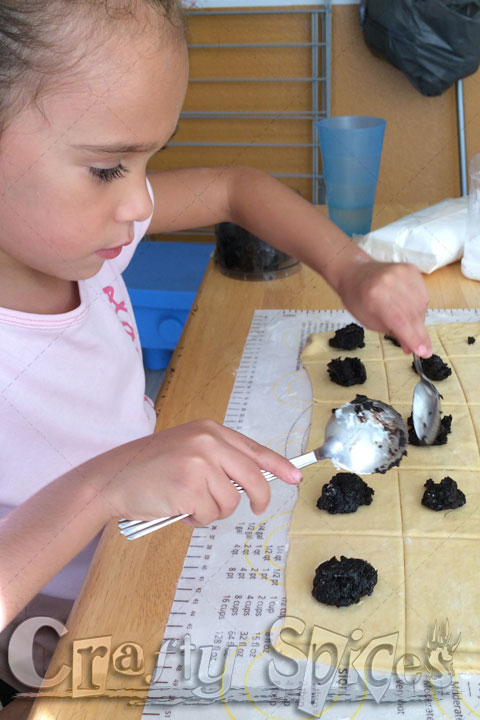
<point x="413" y="338"/>
<point x="392" y="298"/>
<point x="205" y="510"/>
<point x="264" y="458"/>
<point x="220" y="498"/>
<point x="190" y="469"/>
<point x="410" y="331"/>
<point x="217" y="497"/>
<point x="225" y="493"/>
<point x="248" y="476"/>
<point x="424" y="350"/>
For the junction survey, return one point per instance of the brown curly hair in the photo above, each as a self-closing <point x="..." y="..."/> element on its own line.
<point x="43" y="39"/>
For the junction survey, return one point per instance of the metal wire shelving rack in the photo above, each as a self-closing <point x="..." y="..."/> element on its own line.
<point x="317" y="48"/>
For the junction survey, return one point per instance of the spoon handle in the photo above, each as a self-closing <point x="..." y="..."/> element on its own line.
<point x="425" y="406"/>
<point x="133" y="529"/>
<point x="418" y="367"/>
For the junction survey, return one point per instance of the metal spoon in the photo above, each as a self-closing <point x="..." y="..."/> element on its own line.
<point x="364" y="436"/>
<point x="425" y="406"/>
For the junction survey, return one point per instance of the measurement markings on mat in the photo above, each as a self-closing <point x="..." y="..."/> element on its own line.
<point x="235" y="591"/>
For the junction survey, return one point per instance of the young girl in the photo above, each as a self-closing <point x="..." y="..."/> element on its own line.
<point x="89" y="92"/>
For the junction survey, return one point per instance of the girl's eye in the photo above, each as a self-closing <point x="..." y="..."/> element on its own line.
<point x="109" y="174"/>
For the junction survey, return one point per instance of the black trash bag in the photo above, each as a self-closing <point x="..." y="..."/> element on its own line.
<point x="434" y="42"/>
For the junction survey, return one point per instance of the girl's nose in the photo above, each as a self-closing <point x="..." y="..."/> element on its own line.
<point x="136" y="202"/>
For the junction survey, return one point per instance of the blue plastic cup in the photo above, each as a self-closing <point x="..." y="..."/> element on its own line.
<point x="351" y="146"/>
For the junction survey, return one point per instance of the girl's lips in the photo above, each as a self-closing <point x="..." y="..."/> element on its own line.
<point x="110" y="252"/>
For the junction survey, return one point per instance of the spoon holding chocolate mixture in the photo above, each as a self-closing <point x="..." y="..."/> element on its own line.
<point x="363" y="436"/>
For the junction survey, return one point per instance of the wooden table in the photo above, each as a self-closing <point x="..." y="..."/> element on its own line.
<point x="129" y="589"/>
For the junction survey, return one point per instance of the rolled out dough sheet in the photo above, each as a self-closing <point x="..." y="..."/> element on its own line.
<point x="427" y="562"/>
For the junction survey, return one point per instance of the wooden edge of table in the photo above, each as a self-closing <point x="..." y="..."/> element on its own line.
<point x="130" y="586"/>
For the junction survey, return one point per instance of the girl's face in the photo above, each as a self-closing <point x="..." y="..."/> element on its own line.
<point x="72" y="171"/>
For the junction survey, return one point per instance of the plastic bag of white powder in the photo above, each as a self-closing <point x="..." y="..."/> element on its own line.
<point x="429" y="238"/>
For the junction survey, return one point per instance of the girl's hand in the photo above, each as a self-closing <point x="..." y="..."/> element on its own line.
<point x="186" y="469"/>
<point x="189" y="469"/>
<point x="390" y="298"/>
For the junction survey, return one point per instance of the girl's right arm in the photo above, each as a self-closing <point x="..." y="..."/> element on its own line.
<point x="186" y="469"/>
<point x="38" y="538"/>
<point x="387" y="297"/>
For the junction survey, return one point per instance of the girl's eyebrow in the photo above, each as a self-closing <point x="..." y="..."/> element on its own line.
<point x="124" y="148"/>
<point x="119" y="148"/>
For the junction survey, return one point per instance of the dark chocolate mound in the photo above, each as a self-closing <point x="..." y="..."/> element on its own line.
<point x="434" y="368"/>
<point x="349" y="337"/>
<point x="441" y="439"/>
<point x="444" y="495"/>
<point x="344" y="494"/>
<point x="343" y="582"/>
<point x="471" y="340"/>
<point x="362" y="402"/>
<point x="350" y="371"/>
<point x="392" y="340"/>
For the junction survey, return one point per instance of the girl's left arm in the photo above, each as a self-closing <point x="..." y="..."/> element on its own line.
<point x="387" y="297"/>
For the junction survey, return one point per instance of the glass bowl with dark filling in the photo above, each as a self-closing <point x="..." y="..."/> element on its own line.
<point x="241" y="255"/>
